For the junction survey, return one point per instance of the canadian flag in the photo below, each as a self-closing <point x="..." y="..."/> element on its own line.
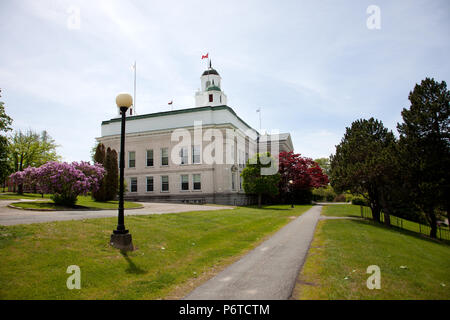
<point x="205" y="56"/>
<point x="170" y="102"/>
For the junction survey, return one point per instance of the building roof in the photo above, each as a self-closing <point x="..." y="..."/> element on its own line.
<point x="176" y="112"/>
<point x="210" y="71"/>
<point x="213" y="88"/>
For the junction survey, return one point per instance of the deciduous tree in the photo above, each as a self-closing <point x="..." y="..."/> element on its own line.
<point x="305" y="174"/>
<point x="254" y="183"/>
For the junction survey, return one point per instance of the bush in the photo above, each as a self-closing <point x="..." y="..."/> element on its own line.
<point x="323" y="194"/>
<point x="339" y="198"/>
<point x="360" y="201"/>
<point x="63" y="180"/>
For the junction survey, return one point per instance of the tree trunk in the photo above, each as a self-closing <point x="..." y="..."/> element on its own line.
<point x="433" y="223"/>
<point x="375" y="213"/>
<point x="259" y="200"/>
<point x="387" y="219"/>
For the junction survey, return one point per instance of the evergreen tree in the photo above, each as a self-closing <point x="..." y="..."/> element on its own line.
<point x="364" y="161"/>
<point x="100" y="157"/>
<point x="425" y="148"/>
<point x="112" y="174"/>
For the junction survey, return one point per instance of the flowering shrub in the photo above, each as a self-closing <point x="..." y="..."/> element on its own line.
<point x="65" y="181"/>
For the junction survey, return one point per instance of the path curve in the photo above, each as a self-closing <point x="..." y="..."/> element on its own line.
<point x="269" y="271"/>
<point x="10" y="216"/>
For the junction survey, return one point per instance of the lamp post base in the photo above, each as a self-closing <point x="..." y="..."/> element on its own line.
<point x="122" y="241"/>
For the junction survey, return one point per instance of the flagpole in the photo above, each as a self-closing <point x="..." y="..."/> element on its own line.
<point x="134" y="101"/>
<point x="259" y="111"/>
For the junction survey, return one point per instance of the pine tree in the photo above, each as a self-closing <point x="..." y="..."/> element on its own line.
<point x="425" y="148"/>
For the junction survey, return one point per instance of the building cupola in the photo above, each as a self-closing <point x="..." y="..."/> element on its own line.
<point x="210" y="93"/>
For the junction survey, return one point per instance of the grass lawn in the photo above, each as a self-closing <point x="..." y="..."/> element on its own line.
<point x="345" y="210"/>
<point x="343" y="249"/>
<point x="14" y="196"/>
<point x="341" y="210"/>
<point x="175" y="252"/>
<point x="83" y="202"/>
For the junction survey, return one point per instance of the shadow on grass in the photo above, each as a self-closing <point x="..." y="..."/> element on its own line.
<point x="400" y="230"/>
<point x="268" y="208"/>
<point x="132" y="267"/>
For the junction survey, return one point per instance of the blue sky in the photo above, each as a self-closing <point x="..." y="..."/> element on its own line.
<point x="312" y="66"/>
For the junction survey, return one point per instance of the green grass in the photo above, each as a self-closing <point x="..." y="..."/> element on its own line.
<point x="345" y="248"/>
<point x="14" y="196"/>
<point x="355" y="211"/>
<point x="341" y="210"/>
<point x="83" y="202"/>
<point x="174" y="251"/>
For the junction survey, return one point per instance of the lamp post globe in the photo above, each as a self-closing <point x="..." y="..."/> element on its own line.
<point x="121" y="238"/>
<point x="291" y="182"/>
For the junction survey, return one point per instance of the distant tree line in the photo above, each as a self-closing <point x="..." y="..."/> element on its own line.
<point x="406" y="176"/>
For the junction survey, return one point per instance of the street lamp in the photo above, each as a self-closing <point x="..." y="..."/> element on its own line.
<point x="121" y="238"/>
<point x="290" y="191"/>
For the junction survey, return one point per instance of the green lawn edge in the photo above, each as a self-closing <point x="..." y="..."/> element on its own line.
<point x="412" y="267"/>
<point x="174" y="251"/>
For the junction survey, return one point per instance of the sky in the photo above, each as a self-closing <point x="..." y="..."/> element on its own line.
<point x="313" y="67"/>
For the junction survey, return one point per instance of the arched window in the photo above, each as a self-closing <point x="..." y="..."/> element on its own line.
<point x="208" y="84"/>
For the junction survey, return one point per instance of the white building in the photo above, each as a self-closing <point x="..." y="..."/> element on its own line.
<point x="188" y="155"/>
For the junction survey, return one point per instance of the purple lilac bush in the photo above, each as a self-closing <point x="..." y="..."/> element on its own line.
<point x="65" y="181"/>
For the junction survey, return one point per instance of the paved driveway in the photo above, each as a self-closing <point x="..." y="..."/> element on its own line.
<point x="10" y="216"/>
<point x="269" y="271"/>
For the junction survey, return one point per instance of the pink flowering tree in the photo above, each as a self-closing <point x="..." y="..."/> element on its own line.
<point x="65" y="181"/>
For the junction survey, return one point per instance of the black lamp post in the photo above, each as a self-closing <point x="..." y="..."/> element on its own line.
<point x="290" y="192"/>
<point x="121" y="238"/>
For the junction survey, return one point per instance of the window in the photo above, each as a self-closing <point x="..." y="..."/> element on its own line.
<point x="133" y="184"/>
<point x="131" y="159"/>
<point x="150" y="158"/>
<point x="164" y="183"/>
<point x="246" y="159"/>
<point x="233" y="181"/>
<point x="184" y="182"/>
<point x="164" y="156"/>
<point x="195" y="154"/>
<point x="210" y="98"/>
<point x="184" y="155"/>
<point x="149" y="184"/>
<point x="208" y="83"/>
<point x="196" y="180"/>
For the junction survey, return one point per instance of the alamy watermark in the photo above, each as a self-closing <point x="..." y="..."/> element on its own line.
<point x="374" y="281"/>
<point x="374" y="20"/>
<point x="74" y="18"/>
<point x="74" y="280"/>
<point x="225" y="146"/>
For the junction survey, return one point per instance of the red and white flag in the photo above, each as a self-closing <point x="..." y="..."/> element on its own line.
<point x="171" y="101"/>
<point x="205" y="56"/>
